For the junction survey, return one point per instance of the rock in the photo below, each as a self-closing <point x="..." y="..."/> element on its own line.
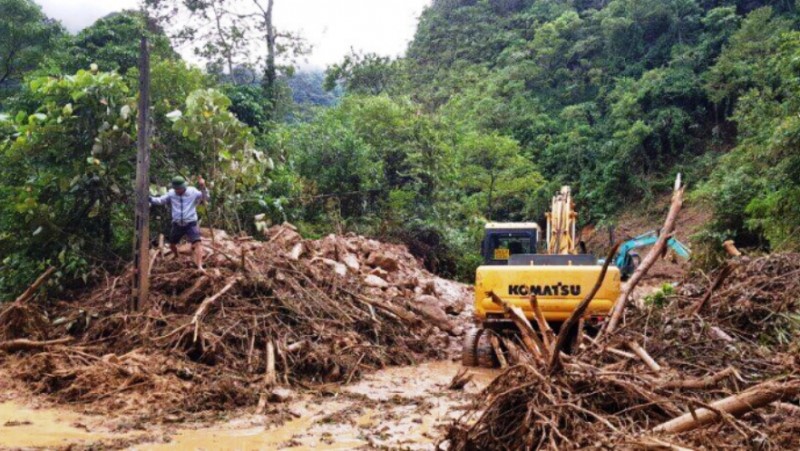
<point x="384" y="260"/>
<point x="380" y="273"/>
<point x="375" y="281"/>
<point x="392" y="292"/>
<point x="280" y="395"/>
<point x="338" y="268"/>
<point x="351" y="261"/>
<point x="369" y="246"/>
<point x="426" y="306"/>
<point x="297" y="252"/>
<point x="283" y="236"/>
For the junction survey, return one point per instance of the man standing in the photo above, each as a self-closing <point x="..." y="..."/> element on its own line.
<point x="183" y="200"/>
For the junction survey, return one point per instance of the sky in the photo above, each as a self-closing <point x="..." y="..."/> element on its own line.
<point x="332" y="27"/>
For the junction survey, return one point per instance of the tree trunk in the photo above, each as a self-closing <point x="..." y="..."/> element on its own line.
<point x="270" y="71"/>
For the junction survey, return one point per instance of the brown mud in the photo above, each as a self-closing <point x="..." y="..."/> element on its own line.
<point x="399" y="407"/>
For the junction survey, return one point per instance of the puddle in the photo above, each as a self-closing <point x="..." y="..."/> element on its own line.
<point x="23" y="427"/>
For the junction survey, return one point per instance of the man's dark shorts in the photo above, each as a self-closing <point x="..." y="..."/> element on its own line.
<point x="191" y="231"/>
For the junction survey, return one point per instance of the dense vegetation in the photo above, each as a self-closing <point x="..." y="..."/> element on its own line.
<point x="497" y="104"/>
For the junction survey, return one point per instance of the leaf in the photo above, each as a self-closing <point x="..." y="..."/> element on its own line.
<point x="174" y="115"/>
<point x="67" y="110"/>
<point x="125" y="112"/>
<point x="37" y="231"/>
<point x="37" y="117"/>
<point x="95" y="209"/>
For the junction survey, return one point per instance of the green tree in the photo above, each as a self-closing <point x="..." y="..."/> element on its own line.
<point x="113" y="44"/>
<point x="28" y="36"/>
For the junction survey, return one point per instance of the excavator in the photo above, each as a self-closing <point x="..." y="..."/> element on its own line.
<point x="559" y="277"/>
<point x="515" y="270"/>
<point x="627" y="260"/>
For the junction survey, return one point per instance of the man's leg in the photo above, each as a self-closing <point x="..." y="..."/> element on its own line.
<point x="175" y="235"/>
<point x="197" y="251"/>
<point x="193" y="234"/>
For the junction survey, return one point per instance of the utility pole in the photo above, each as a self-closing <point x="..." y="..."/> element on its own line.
<point x="141" y="239"/>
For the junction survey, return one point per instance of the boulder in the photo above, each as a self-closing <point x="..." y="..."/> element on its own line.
<point x="384" y="260"/>
<point x="375" y="281"/>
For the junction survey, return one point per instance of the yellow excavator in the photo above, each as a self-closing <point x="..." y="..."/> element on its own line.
<point x="517" y="267"/>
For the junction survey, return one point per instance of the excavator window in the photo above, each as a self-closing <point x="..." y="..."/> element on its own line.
<point x="498" y="247"/>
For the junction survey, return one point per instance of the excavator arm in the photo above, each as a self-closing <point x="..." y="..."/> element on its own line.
<point x="625" y="259"/>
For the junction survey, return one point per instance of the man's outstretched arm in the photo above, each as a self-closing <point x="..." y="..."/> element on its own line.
<point x="159" y="200"/>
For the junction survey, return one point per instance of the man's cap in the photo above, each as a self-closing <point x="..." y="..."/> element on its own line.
<point x="178" y="182"/>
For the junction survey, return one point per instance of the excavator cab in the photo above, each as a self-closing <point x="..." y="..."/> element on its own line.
<point x="502" y="241"/>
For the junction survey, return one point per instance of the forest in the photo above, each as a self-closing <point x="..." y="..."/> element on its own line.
<point x="496" y="104"/>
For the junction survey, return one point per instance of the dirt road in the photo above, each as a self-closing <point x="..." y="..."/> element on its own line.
<point x="398" y="407"/>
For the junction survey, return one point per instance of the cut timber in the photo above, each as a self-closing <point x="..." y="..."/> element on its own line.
<point x="198" y="315"/>
<point x="23" y="344"/>
<point x="31" y="291"/>
<point x="735" y="405"/>
<point x="646" y="358"/>
<point x="655" y="253"/>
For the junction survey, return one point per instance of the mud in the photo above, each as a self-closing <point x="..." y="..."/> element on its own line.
<point x="399" y="407"/>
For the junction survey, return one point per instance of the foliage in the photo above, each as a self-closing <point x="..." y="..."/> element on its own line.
<point x="67" y="167"/>
<point x="27" y="37"/>
<point x="112" y="43"/>
<point x="65" y="171"/>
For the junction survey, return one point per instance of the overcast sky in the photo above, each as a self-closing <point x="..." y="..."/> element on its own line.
<point x="331" y="26"/>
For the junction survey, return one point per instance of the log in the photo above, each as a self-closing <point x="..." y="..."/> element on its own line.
<point x="31" y="290"/>
<point x="548" y="338"/>
<point x="460" y="380"/>
<point x="531" y="341"/>
<point x="198" y="285"/>
<point x="655" y="253"/>
<point x="706" y="382"/>
<point x="723" y="274"/>
<point x="270" y="376"/>
<point x="24" y="344"/>
<point x="735" y="405"/>
<point x="498" y="351"/>
<point x="299" y="346"/>
<point x="646" y="358"/>
<point x="731" y="249"/>
<point x="198" y="315"/>
<point x="720" y="334"/>
<point x="580" y="310"/>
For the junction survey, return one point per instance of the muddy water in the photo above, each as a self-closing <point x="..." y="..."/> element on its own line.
<point x="49" y="428"/>
<point x="404" y="407"/>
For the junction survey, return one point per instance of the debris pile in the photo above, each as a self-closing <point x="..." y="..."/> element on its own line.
<point x="285" y="311"/>
<point x="718" y="366"/>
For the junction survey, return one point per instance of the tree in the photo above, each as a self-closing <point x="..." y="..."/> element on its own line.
<point x="27" y="36"/>
<point x="224" y="33"/>
<point x="494" y="170"/>
<point x="113" y="44"/>
<point x="369" y="73"/>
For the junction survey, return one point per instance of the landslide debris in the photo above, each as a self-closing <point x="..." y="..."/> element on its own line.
<point x="285" y="311"/>
<point x="726" y="376"/>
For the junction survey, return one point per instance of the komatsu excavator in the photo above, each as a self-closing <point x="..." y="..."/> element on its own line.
<point x="515" y="270"/>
